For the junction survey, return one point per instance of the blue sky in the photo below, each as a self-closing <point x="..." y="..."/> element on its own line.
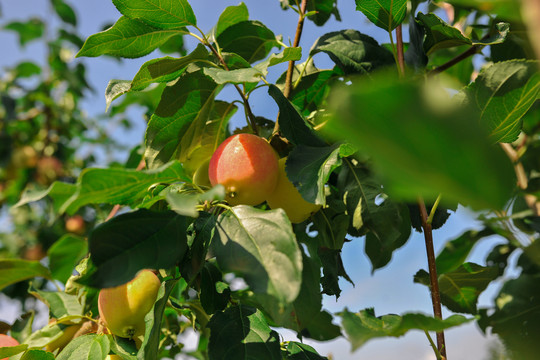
<point x="389" y="290"/>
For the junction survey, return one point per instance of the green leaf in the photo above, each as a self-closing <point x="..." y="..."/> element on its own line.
<point x="116" y="88"/>
<point x="165" y="69"/>
<point x="411" y="130"/>
<point x="291" y="122"/>
<point x="189" y="100"/>
<point x="134" y="241"/>
<point x="204" y="136"/>
<point x="252" y="40"/>
<point x="7" y="351"/>
<point x="386" y="14"/>
<point x="90" y="346"/>
<point x="456" y="251"/>
<point x="60" y="304"/>
<point x="516" y="318"/>
<point x="502" y="93"/>
<point x="505" y="9"/>
<point x="14" y="270"/>
<point x="238" y="76"/>
<point x="260" y="246"/>
<point x="232" y="15"/>
<point x="150" y="346"/>
<point x="461" y="287"/>
<point x="288" y="54"/>
<point x="26" y="69"/>
<point x="440" y="35"/>
<point x="45" y="335"/>
<point x="65" y="12"/>
<point x="31" y="30"/>
<point x="35" y="354"/>
<point x="299" y="351"/>
<point x="241" y="332"/>
<point x="353" y="52"/>
<point x="364" y="325"/>
<point x="59" y="192"/>
<point x="161" y="14"/>
<point x="127" y="38"/>
<point x="214" y="293"/>
<point x="309" y="168"/>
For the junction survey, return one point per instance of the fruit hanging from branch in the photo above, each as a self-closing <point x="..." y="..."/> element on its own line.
<point x="124" y="307"/>
<point x="247" y="166"/>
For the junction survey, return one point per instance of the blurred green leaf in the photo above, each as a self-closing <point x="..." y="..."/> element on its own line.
<point x="31" y="30"/>
<point x="26" y="69"/>
<point x="184" y="203"/>
<point x="364" y="325"/>
<point x="242" y="332"/>
<point x="353" y="52"/>
<point x="386" y="14"/>
<point x="35" y="354"/>
<point x="60" y="304"/>
<point x="65" y="12"/>
<point x="127" y="38"/>
<point x="64" y="254"/>
<point x="322" y="10"/>
<point x="134" y="241"/>
<point x="161" y="14"/>
<point x="115" y="88"/>
<point x="252" y="40"/>
<point x="260" y="246"/>
<point x="8" y="351"/>
<point x="502" y="93"/>
<point x="422" y="142"/>
<point x="14" y="270"/>
<point x="505" y="9"/>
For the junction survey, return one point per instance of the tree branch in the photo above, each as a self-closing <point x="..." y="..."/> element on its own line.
<point x="433" y="278"/>
<point x="290" y="69"/>
<point x="471" y="51"/>
<point x="400" y="53"/>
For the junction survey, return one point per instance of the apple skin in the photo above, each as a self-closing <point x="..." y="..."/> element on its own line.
<point x="287" y="197"/>
<point x="63" y="340"/>
<point x="75" y="224"/>
<point x="247" y="166"/>
<point x="124" y="307"/>
<point x="6" y="340"/>
<point x="113" y="357"/>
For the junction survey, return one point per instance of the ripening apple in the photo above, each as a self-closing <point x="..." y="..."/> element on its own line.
<point x="113" y="357"/>
<point x="6" y="340"/>
<point x="287" y="197"/>
<point x="247" y="166"/>
<point x="64" y="339"/>
<point x="75" y="224"/>
<point x="124" y="307"/>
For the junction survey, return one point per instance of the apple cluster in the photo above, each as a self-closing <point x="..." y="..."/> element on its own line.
<point x="251" y="172"/>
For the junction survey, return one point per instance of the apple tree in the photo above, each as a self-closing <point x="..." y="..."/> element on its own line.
<point x="244" y="226"/>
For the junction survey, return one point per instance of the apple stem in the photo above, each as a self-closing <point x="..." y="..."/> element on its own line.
<point x="433" y="278"/>
<point x="290" y="69"/>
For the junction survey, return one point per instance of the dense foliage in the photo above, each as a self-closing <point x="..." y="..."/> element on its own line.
<point x="388" y="141"/>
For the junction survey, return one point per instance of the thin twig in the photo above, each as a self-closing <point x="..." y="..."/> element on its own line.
<point x="117" y="208"/>
<point x="250" y="116"/>
<point x="400" y="53"/>
<point x="469" y="52"/>
<point x="522" y="181"/>
<point x="290" y="69"/>
<point x="433" y="278"/>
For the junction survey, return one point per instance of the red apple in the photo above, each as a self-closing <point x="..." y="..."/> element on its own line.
<point x="247" y="166"/>
<point x="6" y="340"/>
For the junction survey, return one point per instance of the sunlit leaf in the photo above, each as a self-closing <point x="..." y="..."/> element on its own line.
<point x="15" y="270"/>
<point x="161" y="14"/>
<point x="386" y="14"/>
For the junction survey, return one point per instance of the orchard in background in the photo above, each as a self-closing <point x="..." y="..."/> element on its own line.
<point x="388" y="140"/>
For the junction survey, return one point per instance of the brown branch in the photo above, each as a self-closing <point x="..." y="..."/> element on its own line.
<point x="290" y="69"/>
<point x="469" y="52"/>
<point x="522" y="181"/>
<point x="400" y="54"/>
<point x="433" y="278"/>
<point x="117" y="208"/>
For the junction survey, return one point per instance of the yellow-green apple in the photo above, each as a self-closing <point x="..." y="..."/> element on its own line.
<point x="124" y="307"/>
<point x="247" y="166"/>
<point x="64" y="339"/>
<point x="287" y="197"/>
